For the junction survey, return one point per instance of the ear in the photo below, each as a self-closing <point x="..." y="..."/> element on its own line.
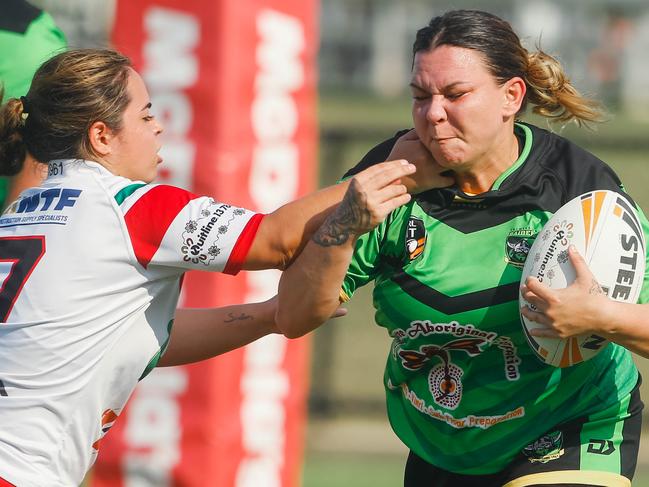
<point x="101" y="138"/>
<point x="514" y="92"/>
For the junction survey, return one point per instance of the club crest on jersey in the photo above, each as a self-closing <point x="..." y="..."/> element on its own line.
<point x="445" y="378"/>
<point x="415" y="237"/>
<point x="546" y="448"/>
<point x="517" y="245"/>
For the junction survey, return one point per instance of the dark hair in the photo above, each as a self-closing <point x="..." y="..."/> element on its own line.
<point x="548" y="87"/>
<point x="68" y="94"/>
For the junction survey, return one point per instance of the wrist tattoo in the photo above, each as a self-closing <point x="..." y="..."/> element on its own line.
<point x="240" y="317"/>
<point x="595" y="288"/>
<point x="350" y="217"/>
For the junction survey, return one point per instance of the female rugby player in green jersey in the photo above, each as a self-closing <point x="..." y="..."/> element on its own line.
<point x="91" y="261"/>
<point x="465" y="393"/>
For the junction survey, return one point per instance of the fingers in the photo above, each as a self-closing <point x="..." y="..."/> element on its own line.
<point x="539" y="289"/>
<point x="410" y="135"/>
<point x="340" y="311"/>
<point x="533" y="299"/>
<point x="544" y="333"/>
<point x="535" y="316"/>
<point x="385" y="173"/>
<point x="581" y="268"/>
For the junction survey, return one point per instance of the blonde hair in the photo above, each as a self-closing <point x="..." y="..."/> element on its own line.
<point x="68" y="94"/>
<point x="552" y="93"/>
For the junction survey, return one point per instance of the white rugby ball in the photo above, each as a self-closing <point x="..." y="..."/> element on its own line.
<point x="605" y="229"/>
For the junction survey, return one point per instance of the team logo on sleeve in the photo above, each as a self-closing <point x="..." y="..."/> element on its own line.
<point x="415" y="237"/>
<point x="517" y="245"/>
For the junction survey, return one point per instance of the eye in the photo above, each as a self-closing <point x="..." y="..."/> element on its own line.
<point x="454" y="96"/>
<point x="148" y="118"/>
<point x="420" y="95"/>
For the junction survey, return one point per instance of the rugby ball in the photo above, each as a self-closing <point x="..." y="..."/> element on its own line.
<point x="605" y="229"/>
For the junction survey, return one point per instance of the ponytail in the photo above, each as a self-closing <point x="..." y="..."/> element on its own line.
<point x="12" y="145"/>
<point x="553" y="95"/>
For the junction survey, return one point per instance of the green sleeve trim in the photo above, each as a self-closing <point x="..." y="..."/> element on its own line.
<point x="127" y="191"/>
<point x="156" y="358"/>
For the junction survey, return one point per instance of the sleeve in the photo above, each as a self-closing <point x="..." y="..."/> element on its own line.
<point x="169" y="226"/>
<point x="364" y="264"/>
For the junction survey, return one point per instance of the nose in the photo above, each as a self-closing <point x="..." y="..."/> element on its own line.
<point x="436" y="111"/>
<point x="159" y="128"/>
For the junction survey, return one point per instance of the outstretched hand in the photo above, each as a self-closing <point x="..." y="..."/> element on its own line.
<point x="371" y="196"/>
<point x="566" y="312"/>
<point x="429" y="173"/>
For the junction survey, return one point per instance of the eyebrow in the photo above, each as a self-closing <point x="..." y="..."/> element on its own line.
<point x="147" y="106"/>
<point x="448" y="87"/>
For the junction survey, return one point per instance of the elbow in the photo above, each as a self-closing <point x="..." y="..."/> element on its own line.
<point x="293" y="324"/>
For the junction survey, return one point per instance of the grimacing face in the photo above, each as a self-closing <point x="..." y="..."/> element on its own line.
<point x="460" y="112"/>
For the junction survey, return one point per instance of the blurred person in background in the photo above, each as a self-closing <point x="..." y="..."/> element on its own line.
<point x="28" y="36"/>
<point x="92" y="260"/>
<point x="465" y="392"/>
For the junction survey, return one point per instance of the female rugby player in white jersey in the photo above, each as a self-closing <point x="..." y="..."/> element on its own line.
<point x="92" y="260"/>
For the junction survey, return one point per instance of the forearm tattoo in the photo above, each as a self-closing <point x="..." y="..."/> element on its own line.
<point x="240" y="317"/>
<point x="595" y="288"/>
<point x="351" y="216"/>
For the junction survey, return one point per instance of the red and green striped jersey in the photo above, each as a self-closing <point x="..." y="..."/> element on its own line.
<point x="91" y="265"/>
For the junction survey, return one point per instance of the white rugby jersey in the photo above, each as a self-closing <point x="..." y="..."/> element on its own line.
<point x="91" y="265"/>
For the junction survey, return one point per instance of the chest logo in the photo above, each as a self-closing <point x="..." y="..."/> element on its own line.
<point x="517" y="245"/>
<point x="415" y="238"/>
<point x="445" y="379"/>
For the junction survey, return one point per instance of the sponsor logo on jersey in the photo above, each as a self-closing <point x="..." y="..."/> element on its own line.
<point x="108" y="419"/>
<point x="55" y="199"/>
<point x="546" y="448"/>
<point x="601" y="447"/>
<point x="415" y="237"/>
<point x="517" y="245"/>
<point x="201" y="235"/>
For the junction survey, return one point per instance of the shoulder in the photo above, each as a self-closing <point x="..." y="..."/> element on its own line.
<point x="17" y="15"/>
<point x="578" y="169"/>
<point x="377" y="154"/>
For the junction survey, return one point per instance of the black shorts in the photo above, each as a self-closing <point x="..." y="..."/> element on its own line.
<point x="598" y="450"/>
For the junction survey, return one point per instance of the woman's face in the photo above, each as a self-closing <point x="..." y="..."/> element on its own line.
<point x="459" y="111"/>
<point x="135" y="151"/>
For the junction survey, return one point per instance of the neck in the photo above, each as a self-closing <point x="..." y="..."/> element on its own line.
<point x="481" y="175"/>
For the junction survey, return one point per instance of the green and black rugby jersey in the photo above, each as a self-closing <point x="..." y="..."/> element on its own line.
<point x="464" y="390"/>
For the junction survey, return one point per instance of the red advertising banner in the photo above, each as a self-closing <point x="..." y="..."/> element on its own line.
<point x="233" y="83"/>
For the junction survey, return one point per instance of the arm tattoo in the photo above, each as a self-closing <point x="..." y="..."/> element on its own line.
<point x="241" y="317"/>
<point x="351" y="216"/>
<point x="595" y="288"/>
